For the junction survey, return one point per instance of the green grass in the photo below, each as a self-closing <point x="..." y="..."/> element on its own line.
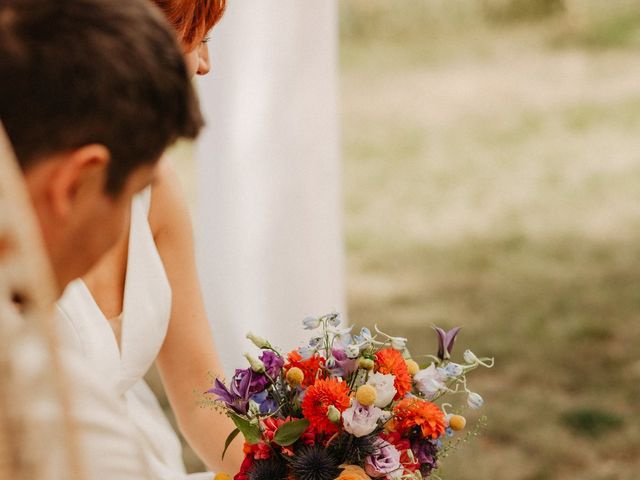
<point x="611" y="30"/>
<point x="591" y="422"/>
<point x="491" y="181"/>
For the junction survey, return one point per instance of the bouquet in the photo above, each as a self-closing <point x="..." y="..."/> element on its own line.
<point x="346" y="406"/>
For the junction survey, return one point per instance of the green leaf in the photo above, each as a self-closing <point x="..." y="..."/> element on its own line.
<point x="230" y="439"/>
<point x="250" y="431"/>
<point x="290" y="432"/>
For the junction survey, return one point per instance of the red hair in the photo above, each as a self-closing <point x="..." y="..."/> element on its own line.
<point x="192" y="19"/>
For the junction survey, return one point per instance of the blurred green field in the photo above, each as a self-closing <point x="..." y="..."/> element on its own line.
<point x="492" y="180"/>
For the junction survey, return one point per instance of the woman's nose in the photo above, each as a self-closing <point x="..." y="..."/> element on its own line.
<point x="204" y="65"/>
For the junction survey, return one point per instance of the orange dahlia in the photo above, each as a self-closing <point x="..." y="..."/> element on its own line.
<point x="415" y="412"/>
<point x="353" y="472"/>
<point x="319" y="397"/>
<point x="311" y="367"/>
<point x="390" y="361"/>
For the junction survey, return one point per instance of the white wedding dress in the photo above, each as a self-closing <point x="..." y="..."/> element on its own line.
<point x="145" y="319"/>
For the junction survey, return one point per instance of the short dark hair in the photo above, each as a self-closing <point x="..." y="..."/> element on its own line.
<point x="78" y="72"/>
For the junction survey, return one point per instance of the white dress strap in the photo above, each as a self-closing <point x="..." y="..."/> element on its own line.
<point x="147" y="299"/>
<point x="145" y="320"/>
<point x="144" y="197"/>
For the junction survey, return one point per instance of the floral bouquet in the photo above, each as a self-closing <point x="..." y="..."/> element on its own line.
<point x="347" y="407"/>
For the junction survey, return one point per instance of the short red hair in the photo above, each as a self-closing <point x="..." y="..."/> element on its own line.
<point x="192" y="19"/>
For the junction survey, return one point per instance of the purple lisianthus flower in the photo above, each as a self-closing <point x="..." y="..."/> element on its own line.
<point x="272" y="363"/>
<point x="343" y="365"/>
<point x="385" y="460"/>
<point x="426" y="454"/>
<point x="245" y="384"/>
<point x="430" y="381"/>
<point x="359" y="420"/>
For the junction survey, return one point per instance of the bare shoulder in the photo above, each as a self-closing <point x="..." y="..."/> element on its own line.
<point x="169" y="213"/>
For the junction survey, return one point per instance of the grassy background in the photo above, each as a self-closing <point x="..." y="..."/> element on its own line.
<point x="492" y="180"/>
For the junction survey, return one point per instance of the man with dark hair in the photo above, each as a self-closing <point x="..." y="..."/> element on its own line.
<point x="91" y="93"/>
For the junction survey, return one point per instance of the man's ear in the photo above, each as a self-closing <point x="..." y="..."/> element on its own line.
<point x="82" y="169"/>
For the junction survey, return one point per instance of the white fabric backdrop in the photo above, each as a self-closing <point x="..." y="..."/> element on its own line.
<point x="269" y="214"/>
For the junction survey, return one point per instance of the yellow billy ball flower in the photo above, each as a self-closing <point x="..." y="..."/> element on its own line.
<point x="221" y="476"/>
<point x="295" y="376"/>
<point x="412" y="366"/>
<point x="457" y="422"/>
<point x="366" y="395"/>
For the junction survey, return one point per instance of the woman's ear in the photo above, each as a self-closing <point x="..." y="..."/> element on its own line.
<point x="204" y="62"/>
<point x="78" y="175"/>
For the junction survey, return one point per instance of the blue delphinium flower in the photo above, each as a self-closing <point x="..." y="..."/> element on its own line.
<point x="364" y="338"/>
<point x="451" y="370"/>
<point x="306" y="352"/>
<point x="334" y="320"/>
<point x="266" y="404"/>
<point x="311" y="323"/>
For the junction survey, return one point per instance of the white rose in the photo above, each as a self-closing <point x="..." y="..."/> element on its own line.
<point x="385" y="389"/>
<point x="429" y="381"/>
<point x="359" y="420"/>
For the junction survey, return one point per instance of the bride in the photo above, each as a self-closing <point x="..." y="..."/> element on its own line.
<point x="142" y="303"/>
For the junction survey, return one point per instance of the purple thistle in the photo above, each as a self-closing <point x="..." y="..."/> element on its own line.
<point x="446" y="341"/>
